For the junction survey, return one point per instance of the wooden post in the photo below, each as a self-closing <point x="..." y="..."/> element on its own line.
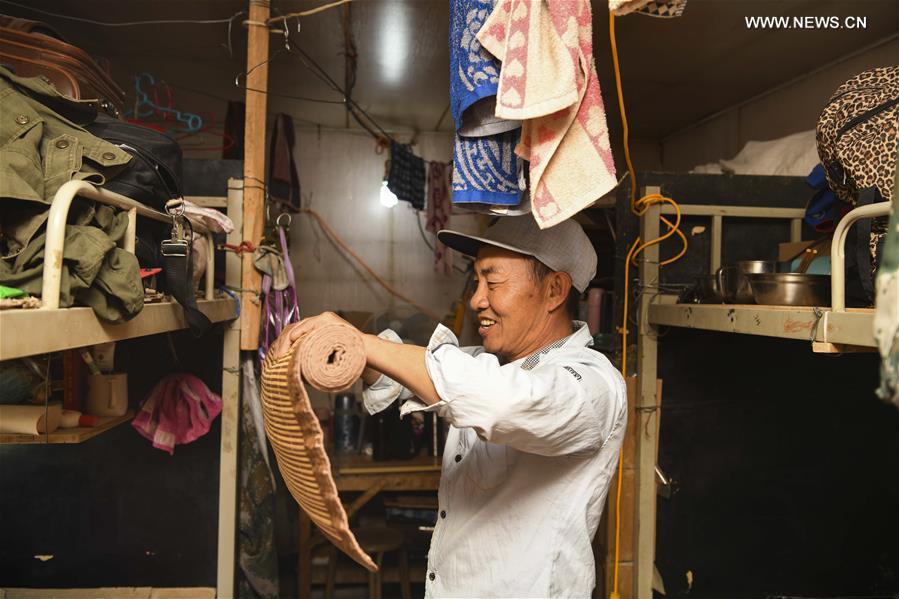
<point x="254" y="166"/>
<point x="230" y="417"/>
<point x="647" y="409"/>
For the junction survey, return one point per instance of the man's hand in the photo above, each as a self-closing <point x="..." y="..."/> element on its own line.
<point x="295" y="331"/>
<point x="401" y="362"/>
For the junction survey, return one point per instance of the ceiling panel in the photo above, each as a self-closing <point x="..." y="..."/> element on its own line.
<point x="675" y="72"/>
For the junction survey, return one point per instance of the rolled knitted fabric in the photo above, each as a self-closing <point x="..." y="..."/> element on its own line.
<point x="330" y="358"/>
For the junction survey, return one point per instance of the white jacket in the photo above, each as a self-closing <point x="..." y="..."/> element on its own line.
<point x="529" y="457"/>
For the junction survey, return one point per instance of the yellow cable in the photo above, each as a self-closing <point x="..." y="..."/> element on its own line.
<point x="638" y="207"/>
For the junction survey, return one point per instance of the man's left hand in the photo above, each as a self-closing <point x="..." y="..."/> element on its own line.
<point x="293" y="332"/>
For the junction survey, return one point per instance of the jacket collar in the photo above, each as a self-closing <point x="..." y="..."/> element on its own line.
<point x="579" y="338"/>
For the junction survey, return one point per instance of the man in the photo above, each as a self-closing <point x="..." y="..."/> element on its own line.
<point x="536" y="417"/>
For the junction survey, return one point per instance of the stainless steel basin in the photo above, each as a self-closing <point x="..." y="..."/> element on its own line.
<point x="790" y="289"/>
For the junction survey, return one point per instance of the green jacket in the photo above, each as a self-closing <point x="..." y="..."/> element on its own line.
<point x="95" y="272"/>
<point x="42" y="146"/>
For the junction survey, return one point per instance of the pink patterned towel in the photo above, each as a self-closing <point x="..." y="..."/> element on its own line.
<point x="548" y="80"/>
<point x="178" y="410"/>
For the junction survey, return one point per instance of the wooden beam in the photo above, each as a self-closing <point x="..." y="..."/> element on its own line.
<point x="254" y="166"/>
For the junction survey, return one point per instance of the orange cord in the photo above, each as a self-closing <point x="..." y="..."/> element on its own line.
<point x="638" y="207"/>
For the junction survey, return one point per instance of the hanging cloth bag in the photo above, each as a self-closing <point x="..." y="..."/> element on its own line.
<point x="279" y="294"/>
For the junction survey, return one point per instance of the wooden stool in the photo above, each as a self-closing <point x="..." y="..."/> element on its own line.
<point x="376" y="541"/>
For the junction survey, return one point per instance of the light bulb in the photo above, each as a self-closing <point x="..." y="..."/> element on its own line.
<point x="387" y="197"/>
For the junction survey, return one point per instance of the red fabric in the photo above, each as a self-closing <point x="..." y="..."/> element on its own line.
<point x="180" y="409"/>
<point x="439" y="208"/>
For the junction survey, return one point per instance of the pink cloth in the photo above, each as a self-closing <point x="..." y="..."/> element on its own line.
<point x="180" y="409"/>
<point x="548" y="81"/>
<point x="439" y="208"/>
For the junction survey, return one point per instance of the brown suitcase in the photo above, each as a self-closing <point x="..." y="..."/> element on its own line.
<point x="68" y="68"/>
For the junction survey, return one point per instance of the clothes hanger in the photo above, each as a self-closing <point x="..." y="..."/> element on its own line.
<point x="146" y="107"/>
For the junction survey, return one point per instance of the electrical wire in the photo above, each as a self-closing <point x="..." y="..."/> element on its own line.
<point x="316" y="69"/>
<point x="123" y="23"/>
<point x="307" y="13"/>
<point x="253" y="89"/>
<point x="639" y="208"/>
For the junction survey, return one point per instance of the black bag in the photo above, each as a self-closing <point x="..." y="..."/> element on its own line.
<point x="153" y="177"/>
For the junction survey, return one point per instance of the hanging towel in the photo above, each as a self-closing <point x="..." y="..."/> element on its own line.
<point x="330" y="358"/>
<point x="486" y="167"/>
<point x="548" y="80"/>
<point x="406" y="178"/>
<point x="474" y="72"/>
<point x="284" y="174"/>
<point x="439" y="210"/>
<point x="212" y="219"/>
<point x="180" y="409"/>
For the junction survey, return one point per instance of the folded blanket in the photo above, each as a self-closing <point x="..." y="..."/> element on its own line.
<point x="330" y="358"/>
<point x="548" y="80"/>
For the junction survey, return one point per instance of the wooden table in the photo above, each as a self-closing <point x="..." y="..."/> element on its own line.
<point x="361" y="473"/>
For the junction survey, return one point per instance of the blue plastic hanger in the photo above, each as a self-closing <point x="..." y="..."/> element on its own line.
<point x="146" y="107"/>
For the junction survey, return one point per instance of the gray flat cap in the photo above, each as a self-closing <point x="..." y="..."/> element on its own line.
<point x="563" y="248"/>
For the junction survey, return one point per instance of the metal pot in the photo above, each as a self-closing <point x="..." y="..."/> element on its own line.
<point x="707" y="290"/>
<point x="733" y="283"/>
<point x="790" y="289"/>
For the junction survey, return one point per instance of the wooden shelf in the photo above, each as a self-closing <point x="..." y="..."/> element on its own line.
<point x="29" y="332"/>
<point x="67" y="435"/>
<point x="830" y="331"/>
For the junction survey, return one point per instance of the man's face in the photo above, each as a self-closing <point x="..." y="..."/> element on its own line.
<point x="510" y="306"/>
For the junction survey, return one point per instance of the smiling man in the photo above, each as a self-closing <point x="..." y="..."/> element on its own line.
<point x="537" y="418"/>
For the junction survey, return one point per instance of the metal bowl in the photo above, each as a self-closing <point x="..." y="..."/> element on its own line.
<point x="733" y="283"/>
<point x="790" y="289"/>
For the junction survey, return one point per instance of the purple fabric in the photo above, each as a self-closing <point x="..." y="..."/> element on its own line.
<point x="279" y="308"/>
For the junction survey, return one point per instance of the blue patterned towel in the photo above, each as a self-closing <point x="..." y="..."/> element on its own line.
<point x="485" y="168"/>
<point x="474" y="72"/>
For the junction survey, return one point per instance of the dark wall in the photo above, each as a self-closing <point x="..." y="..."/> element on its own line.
<point x="786" y="464"/>
<point x="787" y="470"/>
<point x="114" y="511"/>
